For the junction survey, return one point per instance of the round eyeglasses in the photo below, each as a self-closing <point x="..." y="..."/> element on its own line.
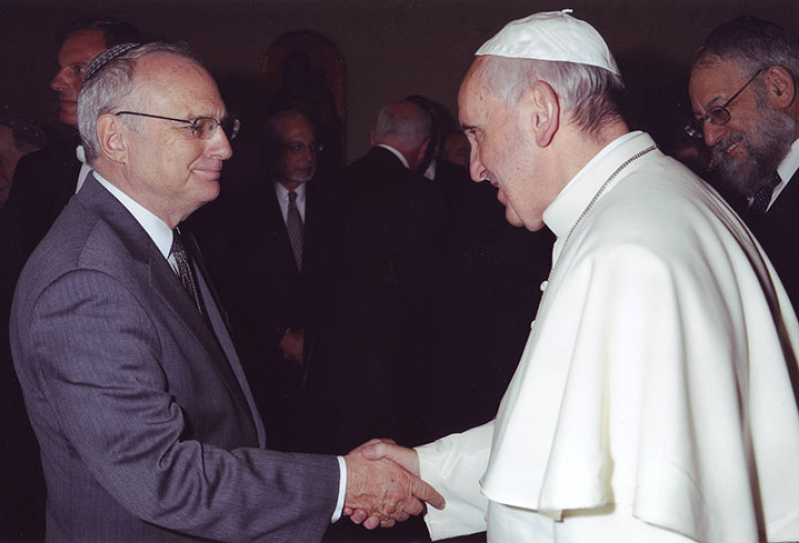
<point x="298" y="147"/>
<point x="201" y="127"/>
<point x="718" y="115"/>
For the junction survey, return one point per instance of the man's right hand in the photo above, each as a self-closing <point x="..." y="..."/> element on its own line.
<point x="383" y="485"/>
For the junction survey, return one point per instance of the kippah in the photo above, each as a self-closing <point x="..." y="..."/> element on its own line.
<point x="105" y="57"/>
<point x="551" y="35"/>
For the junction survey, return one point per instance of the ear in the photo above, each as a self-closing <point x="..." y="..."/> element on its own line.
<point x="112" y="136"/>
<point x="421" y="152"/>
<point x="372" y="137"/>
<point x="544" y="110"/>
<point x="780" y="87"/>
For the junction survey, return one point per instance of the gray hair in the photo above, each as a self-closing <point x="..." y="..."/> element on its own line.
<point x="111" y="86"/>
<point x="272" y="124"/>
<point x="590" y="94"/>
<point x="752" y="44"/>
<point x="405" y="123"/>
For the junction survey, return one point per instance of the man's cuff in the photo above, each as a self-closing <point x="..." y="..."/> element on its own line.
<point x="342" y="489"/>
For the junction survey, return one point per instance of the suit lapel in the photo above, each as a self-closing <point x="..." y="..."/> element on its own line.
<point x="219" y="322"/>
<point x="786" y="204"/>
<point x="166" y="284"/>
<point x="162" y="280"/>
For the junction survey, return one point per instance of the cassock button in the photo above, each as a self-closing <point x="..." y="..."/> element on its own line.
<point x="544" y="285"/>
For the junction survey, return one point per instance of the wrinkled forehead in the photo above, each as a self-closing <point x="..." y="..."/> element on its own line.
<point x="169" y="77"/>
<point x="712" y="76"/>
<point x="475" y="92"/>
<point x="292" y="128"/>
<point x="709" y="67"/>
<point x="474" y="75"/>
<point x="163" y="69"/>
<point x="84" y="43"/>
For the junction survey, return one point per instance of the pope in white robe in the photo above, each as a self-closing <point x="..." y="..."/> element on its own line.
<point x="653" y="402"/>
<point x="654" y="383"/>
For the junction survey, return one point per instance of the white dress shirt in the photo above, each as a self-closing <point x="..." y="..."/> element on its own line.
<point x="396" y="153"/>
<point x="785" y="170"/>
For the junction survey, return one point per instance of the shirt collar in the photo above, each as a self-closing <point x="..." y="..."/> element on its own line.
<point x="430" y="172"/>
<point x="396" y="153"/>
<point x="565" y="210"/>
<point x="283" y="193"/>
<point x="790" y="163"/>
<point x="157" y="229"/>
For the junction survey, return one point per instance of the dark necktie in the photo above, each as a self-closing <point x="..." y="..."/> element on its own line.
<point x="295" y="228"/>
<point x="763" y="197"/>
<point x="178" y="250"/>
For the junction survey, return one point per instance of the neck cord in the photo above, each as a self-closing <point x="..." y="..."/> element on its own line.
<point x="590" y="205"/>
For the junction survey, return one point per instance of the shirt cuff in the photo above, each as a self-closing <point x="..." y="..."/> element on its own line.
<point x="342" y="489"/>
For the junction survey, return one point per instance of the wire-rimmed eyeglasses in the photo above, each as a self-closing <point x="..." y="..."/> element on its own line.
<point x="202" y="127"/>
<point x="718" y="115"/>
<point x="297" y="147"/>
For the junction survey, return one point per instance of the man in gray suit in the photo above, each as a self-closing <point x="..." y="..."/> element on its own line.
<point x="147" y="427"/>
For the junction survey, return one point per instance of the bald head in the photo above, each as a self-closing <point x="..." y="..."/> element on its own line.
<point x="406" y="127"/>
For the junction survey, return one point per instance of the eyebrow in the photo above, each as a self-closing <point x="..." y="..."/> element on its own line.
<point x="710" y="103"/>
<point x="706" y="106"/>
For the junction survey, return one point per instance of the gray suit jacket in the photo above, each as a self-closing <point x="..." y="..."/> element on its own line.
<point x="147" y="427"/>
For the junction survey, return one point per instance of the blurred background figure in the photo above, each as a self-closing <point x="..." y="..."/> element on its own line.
<point x="263" y="249"/>
<point x="47" y="179"/>
<point x="18" y="137"/>
<point x="456" y="149"/>
<point x="381" y="257"/>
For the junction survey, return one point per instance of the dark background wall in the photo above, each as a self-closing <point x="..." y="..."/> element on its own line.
<point x="392" y="48"/>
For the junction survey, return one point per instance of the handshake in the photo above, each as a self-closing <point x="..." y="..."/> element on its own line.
<point x="383" y="485"/>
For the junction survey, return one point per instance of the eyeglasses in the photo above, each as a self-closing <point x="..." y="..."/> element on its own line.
<point x="202" y="127"/>
<point x="718" y="115"/>
<point x="297" y="147"/>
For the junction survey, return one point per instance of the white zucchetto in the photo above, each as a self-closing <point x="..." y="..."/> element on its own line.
<point x="554" y="36"/>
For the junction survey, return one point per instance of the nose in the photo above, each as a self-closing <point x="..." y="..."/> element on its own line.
<point x="712" y="133"/>
<point x="477" y="171"/>
<point x="220" y="145"/>
<point x="59" y="82"/>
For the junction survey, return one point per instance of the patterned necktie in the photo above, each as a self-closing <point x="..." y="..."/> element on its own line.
<point x="178" y="250"/>
<point x="763" y="197"/>
<point x="295" y="228"/>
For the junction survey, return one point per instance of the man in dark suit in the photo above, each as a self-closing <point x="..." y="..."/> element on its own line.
<point x="268" y="269"/>
<point x="381" y="257"/>
<point x="45" y="180"/>
<point x="743" y="91"/>
<point x="485" y="296"/>
<point x="147" y="427"/>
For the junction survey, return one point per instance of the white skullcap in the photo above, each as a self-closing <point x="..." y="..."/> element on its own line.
<point x="551" y="35"/>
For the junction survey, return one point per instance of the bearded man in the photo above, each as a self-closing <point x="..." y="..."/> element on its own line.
<point x="743" y="94"/>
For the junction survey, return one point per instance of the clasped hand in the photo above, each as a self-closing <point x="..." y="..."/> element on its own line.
<point x="383" y="485"/>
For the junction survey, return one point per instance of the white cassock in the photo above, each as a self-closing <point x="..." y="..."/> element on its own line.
<point x="653" y="401"/>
